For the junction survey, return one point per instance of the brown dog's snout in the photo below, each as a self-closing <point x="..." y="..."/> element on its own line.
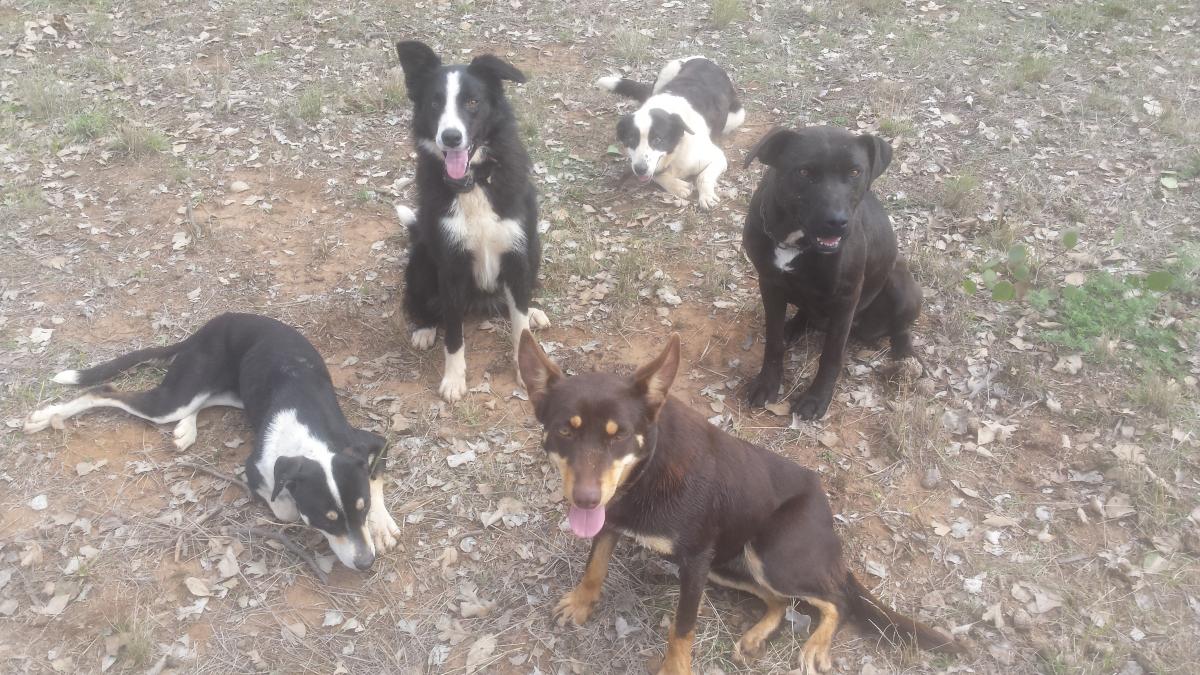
<point x="586" y="494"/>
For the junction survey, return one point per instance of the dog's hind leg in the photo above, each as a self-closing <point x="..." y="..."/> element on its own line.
<point x="815" y="654"/>
<point x="750" y="646"/>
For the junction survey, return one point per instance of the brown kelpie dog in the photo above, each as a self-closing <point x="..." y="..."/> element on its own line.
<point x="640" y="463"/>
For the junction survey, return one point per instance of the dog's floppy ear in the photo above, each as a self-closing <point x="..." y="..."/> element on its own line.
<point x="683" y="125"/>
<point x="366" y="446"/>
<point x="879" y="152"/>
<point x="537" y="370"/>
<point x="494" y="69"/>
<point x="653" y="380"/>
<point x="287" y="472"/>
<point x="418" y="62"/>
<point x="770" y="147"/>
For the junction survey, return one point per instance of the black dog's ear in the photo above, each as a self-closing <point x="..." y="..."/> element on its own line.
<point x="679" y="120"/>
<point x="287" y="471"/>
<point x="879" y="152"/>
<point x="653" y="380"/>
<point x="770" y="147"/>
<point x="625" y="127"/>
<point x="366" y="446"/>
<point x="494" y="69"/>
<point x="537" y="370"/>
<point x="418" y="62"/>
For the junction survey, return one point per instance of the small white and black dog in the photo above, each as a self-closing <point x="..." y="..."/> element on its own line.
<point x="672" y="138"/>
<point x="474" y="241"/>
<point x="308" y="463"/>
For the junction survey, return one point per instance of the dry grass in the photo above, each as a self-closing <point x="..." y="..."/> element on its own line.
<point x="725" y="12"/>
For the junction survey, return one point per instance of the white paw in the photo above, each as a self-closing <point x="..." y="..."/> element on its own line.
<point x="40" y="419"/>
<point x="708" y="200"/>
<point x="423" y="338"/>
<point x="453" y="387"/>
<point x="384" y="530"/>
<point x="538" y="318"/>
<point x="185" y="432"/>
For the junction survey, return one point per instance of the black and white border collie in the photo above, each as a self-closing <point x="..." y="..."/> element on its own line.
<point x="474" y="240"/>
<point x="308" y="463"/>
<point x="672" y="138"/>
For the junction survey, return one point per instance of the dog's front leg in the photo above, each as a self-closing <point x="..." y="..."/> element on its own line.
<point x="454" y="377"/>
<point x="577" y="605"/>
<point x="706" y="182"/>
<point x="765" y="386"/>
<point x="693" y="574"/>
<point x="813" y="403"/>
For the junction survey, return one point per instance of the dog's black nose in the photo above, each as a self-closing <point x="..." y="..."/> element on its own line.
<point x="586" y="497"/>
<point x="837" y="221"/>
<point x="363" y="560"/>
<point x="451" y="138"/>
<point x="640" y="169"/>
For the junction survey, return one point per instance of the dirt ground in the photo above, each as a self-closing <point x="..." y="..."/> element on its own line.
<point x="1034" y="491"/>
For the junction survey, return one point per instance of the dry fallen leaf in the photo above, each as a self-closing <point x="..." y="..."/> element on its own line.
<point x="197" y="587"/>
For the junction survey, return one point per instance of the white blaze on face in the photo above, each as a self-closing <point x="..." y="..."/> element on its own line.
<point x="643" y="154"/>
<point x="456" y="158"/>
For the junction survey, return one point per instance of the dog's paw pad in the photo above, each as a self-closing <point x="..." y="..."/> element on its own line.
<point x="538" y="319"/>
<point x="453" y="388"/>
<point x="423" y="338"/>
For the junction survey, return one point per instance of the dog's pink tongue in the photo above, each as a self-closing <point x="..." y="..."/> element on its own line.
<point x="456" y="163"/>
<point x="586" y="523"/>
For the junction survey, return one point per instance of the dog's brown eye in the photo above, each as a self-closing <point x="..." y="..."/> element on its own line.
<point x="803" y="172"/>
<point x="854" y="173"/>
<point x="472" y="105"/>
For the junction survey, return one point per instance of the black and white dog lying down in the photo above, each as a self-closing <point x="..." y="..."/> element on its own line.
<point x="474" y="242"/>
<point x="308" y="463"/>
<point x="672" y="138"/>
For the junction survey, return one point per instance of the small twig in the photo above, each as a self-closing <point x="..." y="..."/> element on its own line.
<point x="217" y="474"/>
<point x="292" y="546"/>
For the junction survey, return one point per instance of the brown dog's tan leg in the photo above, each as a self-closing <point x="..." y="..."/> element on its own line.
<point x="750" y="646"/>
<point x="678" y="660"/>
<point x="577" y="605"/>
<point x="816" y="650"/>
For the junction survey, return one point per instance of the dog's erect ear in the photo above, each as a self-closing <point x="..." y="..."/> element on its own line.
<point x="653" y="380"/>
<point x="494" y="69"/>
<point x="418" y="62"/>
<point x="682" y="125"/>
<point x="770" y="147"/>
<point x="879" y="151"/>
<point x="287" y="471"/>
<point x="537" y="370"/>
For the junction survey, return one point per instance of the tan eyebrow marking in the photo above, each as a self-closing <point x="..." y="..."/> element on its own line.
<point x="611" y="428"/>
<point x="576" y="421"/>
<point x="360" y="504"/>
<point x="331" y="515"/>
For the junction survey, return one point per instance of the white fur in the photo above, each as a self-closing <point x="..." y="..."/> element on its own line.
<point x="733" y="121"/>
<point x="794" y="237"/>
<point x="609" y="82"/>
<point x="67" y="377"/>
<point x="54" y="415"/>
<point x="405" y="215"/>
<point x="670" y="71"/>
<point x="384" y="530"/>
<point x="694" y="155"/>
<point x="475" y="227"/>
<point x="287" y="436"/>
<point x="784" y="255"/>
<point x="423" y="338"/>
<point x="451" y="118"/>
<point x="454" y="377"/>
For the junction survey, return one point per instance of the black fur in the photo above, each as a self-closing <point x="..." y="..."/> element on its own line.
<point x="846" y="275"/>
<point x="439" y="285"/>
<point x="704" y="85"/>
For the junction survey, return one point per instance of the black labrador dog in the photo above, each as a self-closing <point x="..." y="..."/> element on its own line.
<point x="821" y="241"/>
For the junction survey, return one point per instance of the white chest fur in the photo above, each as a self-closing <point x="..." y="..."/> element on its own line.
<point x="475" y="227"/>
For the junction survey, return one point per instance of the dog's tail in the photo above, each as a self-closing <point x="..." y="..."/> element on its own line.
<point x="893" y="626"/>
<point x="625" y="87"/>
<point x="110" y="369"/>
